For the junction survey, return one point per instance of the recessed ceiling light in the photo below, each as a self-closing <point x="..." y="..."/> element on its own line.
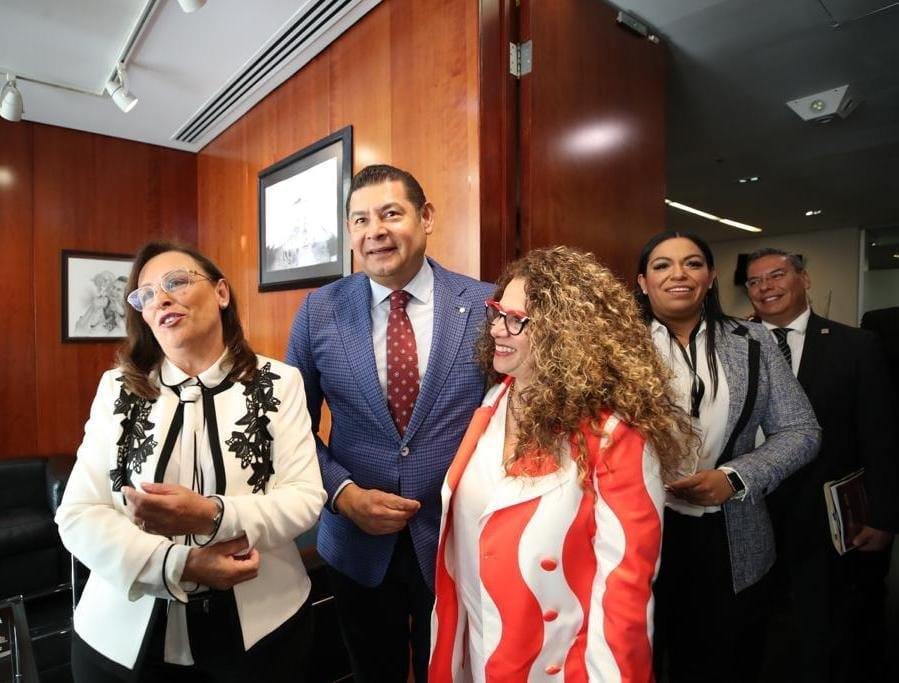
<point x="813" y="212"/>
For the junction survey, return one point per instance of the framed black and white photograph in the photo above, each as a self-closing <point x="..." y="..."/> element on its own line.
<point x="302" y="241"/>
<point x="93" y="295"/>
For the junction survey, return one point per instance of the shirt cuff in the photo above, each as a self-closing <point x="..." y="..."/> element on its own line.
<point x="230" y="526"/>
<point x="742" y="494"/>
<point x="161" y="573"/>
<point x="340" y="488"/>
<point x="173" y="568"/>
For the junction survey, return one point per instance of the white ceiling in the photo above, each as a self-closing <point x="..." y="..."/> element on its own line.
<point x="72" y="43"/>
<point x="178" y="63"/>
<point x="734" y="64"/>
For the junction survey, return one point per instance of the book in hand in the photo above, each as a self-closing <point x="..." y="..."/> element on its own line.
<point x="847" y="509"/>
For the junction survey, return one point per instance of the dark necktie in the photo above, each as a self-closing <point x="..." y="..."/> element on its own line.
<point x="402" y="362"/>
<point x="781" y="334"/>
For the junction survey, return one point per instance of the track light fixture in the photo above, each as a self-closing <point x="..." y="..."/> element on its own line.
<point x="118" y="90"/>
<point x="11" y="107"/>
<point x="191" y="5"/>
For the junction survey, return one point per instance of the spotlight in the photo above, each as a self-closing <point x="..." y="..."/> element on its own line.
<point x="118" y="91"/>
<point x="11" y="100"/>
<point x="191" y="5"/>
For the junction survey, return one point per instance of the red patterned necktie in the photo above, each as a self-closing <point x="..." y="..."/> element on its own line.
<point x="402" y="362"/>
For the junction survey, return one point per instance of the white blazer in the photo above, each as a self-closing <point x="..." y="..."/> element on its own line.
<point x="113" y="614"/>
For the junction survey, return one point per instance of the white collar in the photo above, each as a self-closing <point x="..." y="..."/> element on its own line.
<point x="798" y="325"/>
<point x="658" y="327"/>
<point x="171" y="375"/>
<point x="421" y="286"/>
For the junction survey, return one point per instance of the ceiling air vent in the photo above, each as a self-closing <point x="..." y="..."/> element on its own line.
<point x="268" y="67"/>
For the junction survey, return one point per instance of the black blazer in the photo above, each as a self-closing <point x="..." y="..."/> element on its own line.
<point x="844" y="374"/>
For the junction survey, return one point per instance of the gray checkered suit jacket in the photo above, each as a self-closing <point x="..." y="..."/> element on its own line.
<point x="792" y="434"/>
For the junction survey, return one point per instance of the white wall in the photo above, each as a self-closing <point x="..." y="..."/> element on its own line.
<point x="881" y="289"/>
<point x="831" y="257"/>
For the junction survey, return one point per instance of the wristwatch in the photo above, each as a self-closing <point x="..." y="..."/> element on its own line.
<point x="736" y="483"/>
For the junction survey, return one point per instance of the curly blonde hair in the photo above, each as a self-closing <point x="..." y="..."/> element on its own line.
<point x="591" y="351"/>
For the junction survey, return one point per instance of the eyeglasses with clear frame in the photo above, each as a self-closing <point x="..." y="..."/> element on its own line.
<point x="173" y="282"/>
<point x="514" y="321"/>
<point x="773" y="277"/>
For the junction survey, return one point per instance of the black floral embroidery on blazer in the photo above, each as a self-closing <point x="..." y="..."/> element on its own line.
<point x="135" y="444"/>
<point x="253" y="446"/>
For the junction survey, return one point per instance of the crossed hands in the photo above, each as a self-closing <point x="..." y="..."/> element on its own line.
<point x="170" y="509"/>
<point x="375" y="512"/>
<point x="223" y="565"/>
<point x="708" y="487"/>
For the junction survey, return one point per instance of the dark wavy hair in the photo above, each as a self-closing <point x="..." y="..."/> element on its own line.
<point x="712" y="313"/>
<point x="591" y="353"/>
<point x="140" y="353"/>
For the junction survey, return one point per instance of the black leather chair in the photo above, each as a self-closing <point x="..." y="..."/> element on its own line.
<point x="34" y="559"/>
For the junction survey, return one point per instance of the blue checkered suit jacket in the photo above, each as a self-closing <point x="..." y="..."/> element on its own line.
<point x="330" y="343"/>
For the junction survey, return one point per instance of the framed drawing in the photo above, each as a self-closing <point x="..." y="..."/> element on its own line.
<point x="302" y="241"/>
<point x="93" y="295"/>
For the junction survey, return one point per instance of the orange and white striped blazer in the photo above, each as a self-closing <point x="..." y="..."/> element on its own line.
<point x="566" y="570"/>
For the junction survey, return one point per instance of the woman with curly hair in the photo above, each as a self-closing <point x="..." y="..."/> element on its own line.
<point x="718" y="546"/>
<point x="552" y="507"/>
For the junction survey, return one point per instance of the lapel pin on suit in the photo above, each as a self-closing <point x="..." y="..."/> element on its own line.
<point x="825" y="330"/>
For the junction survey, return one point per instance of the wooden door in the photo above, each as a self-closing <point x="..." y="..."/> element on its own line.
<point x="583" y="132"/>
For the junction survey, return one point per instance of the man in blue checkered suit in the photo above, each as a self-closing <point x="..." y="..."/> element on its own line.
<point x="378" y="532"/>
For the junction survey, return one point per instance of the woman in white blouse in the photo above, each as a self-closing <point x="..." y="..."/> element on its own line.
<point x="196" y="472"/>
<point x="732" y="380"/>
<point x="552" y="506"/>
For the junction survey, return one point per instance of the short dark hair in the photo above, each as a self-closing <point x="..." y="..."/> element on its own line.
<point x="795" y="260"/>
<point x="141" y="354"/>
<point x="383" y="173"/>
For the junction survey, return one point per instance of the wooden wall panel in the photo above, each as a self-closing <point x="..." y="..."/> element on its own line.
<point x="405" y="77"/>
<point x="92" y="193"/>
<point x="593" y="133"/>
<point x="18" y="425"/>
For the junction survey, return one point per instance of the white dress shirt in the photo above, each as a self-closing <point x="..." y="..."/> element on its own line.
<point x="795" y="337"/>
<point x="481" y="477"/>
<point x="420" y="310"/>
<point x="713" y="408"/>
<point x="192" y="467"/>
